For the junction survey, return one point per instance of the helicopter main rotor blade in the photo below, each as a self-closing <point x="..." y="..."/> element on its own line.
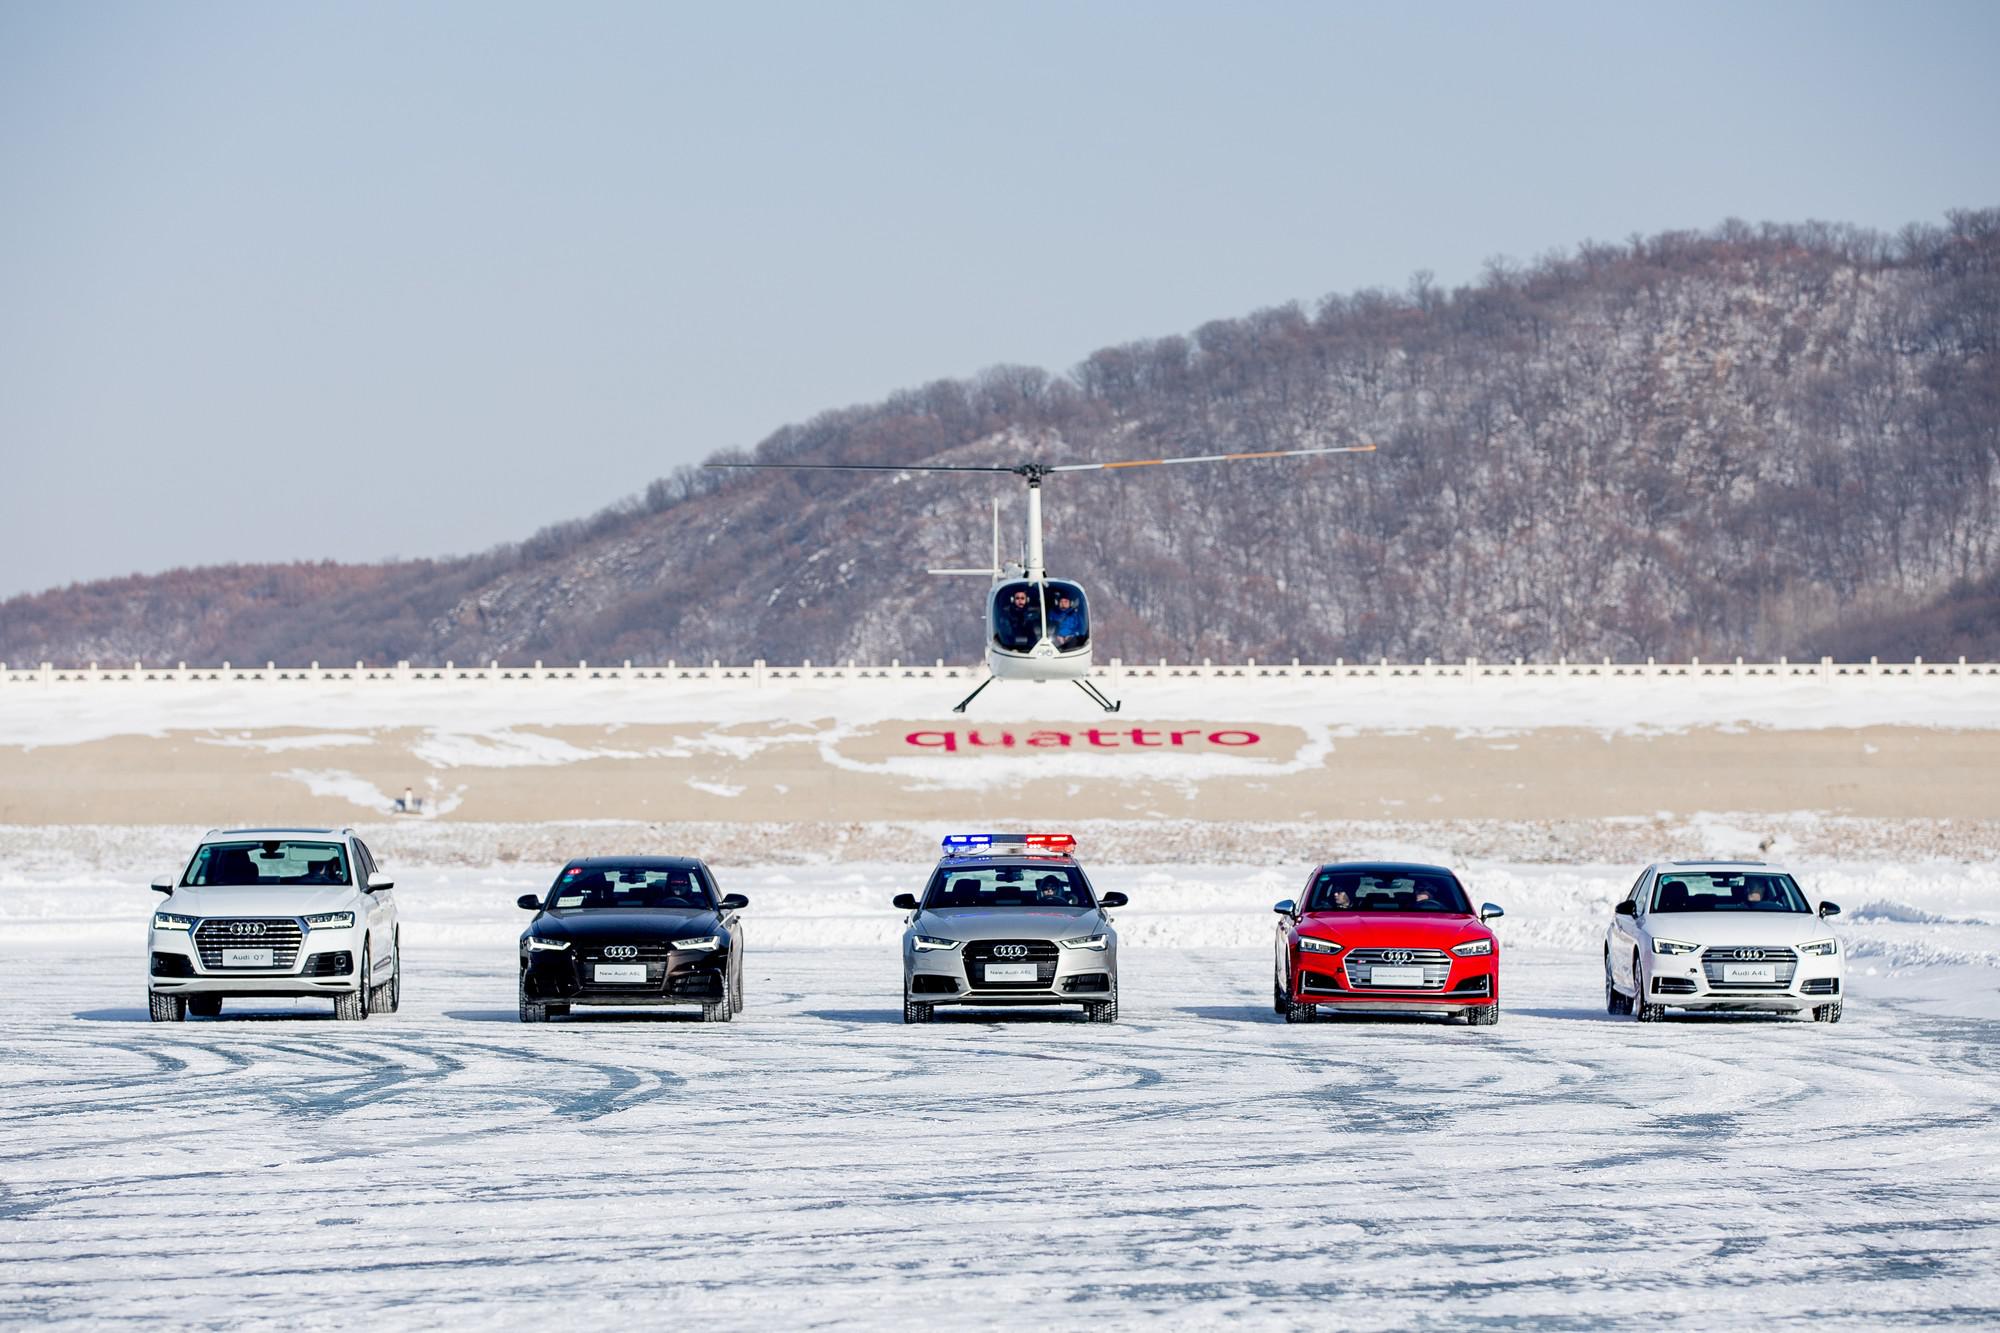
<point x="870" y="467"/>
<point x="1213" y="458"/>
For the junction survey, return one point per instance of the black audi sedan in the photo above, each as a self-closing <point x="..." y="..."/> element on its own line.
<point x="632" y="930"/>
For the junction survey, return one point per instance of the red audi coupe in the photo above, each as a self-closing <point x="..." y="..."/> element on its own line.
<point x="1386" y="937"/>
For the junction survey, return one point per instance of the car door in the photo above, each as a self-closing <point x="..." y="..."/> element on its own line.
<point x="1625" y="935"/>
<point x="730" y="922"/>
<point x="381" y="908"/>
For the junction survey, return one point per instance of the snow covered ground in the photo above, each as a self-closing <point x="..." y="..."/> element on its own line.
<point x="820" y="1163"/>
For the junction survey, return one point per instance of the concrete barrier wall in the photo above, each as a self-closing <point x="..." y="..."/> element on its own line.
<point x="757" y="673"/>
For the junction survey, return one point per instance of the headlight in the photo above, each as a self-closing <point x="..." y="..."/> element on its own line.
<point x="1473" y="948"/>
<point x="1096" y="942"/>
<point x="168" y="921"/>
<point x="1673" y="946"/>
<point x="1820" y="947"/>
<point x="926" y="943"/>
<point x="1311" y="945"/>
<point x="331" y="921"/>
<point x="538" y="945"/>
<point x="701" y="942"/>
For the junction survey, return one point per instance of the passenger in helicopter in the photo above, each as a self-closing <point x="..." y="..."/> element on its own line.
<point x="1067" y="626"/>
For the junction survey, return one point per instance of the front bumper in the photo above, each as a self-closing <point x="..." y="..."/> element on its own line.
<point x="956" y="976"/>
<point x="326" y="964"/>
<point x="673" y="976"/>
<point x="1453" y="984"/>
<point x="1686" y="981"/>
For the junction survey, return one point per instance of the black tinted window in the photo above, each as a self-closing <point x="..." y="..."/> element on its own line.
<point x="1008" y="886"/>
<point x="1386" y="891"/>
<point x="593" y="888"/>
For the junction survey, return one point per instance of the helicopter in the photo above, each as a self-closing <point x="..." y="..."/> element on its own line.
<point x="1038" y="628"/>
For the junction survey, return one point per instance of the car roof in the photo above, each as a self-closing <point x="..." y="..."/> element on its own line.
<point x="1011" y="860"/>
<point x="1385" y="868"/>
<point x="216" y="834"/>
<point x="1700" y="867"/>
<point x="636" y="862"/>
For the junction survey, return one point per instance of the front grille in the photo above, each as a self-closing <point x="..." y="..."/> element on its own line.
<point x="1816" y="986"/>
<point x="1042" y="953"/>
<point x="281" y="935"/>
<point x="172" y="965"/>
<point x="1714" y="960"/>
<point x="336" y="964"/>
<point x="654" y="955"/>
<point x="1359" y="962"/>
<point x="642" y="953"/>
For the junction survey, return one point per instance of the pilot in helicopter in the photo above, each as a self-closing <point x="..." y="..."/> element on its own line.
<point x="1066" y="624"/>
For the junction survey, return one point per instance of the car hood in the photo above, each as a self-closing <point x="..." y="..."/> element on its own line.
<point x="1008" y="923"/>
<point x="633" y="927"/>
<point x="1358" y="930"/>
<point x="258" y="900"/>
<point x="1737" y="927"/>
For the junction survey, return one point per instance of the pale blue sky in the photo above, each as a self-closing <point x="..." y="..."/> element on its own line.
<point x="356" y="280"/>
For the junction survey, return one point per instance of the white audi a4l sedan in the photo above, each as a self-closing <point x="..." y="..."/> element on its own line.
<point x="277" y="912"/>
<point x="1735" y="936"/>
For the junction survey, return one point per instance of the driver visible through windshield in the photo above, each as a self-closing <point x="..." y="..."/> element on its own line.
<point x="1715" y="891"/>
<point x="1008" y="886"/>
<point x="272" y="864"/>
<point x="1363" y="891"/>
<point x="630" y="888"/>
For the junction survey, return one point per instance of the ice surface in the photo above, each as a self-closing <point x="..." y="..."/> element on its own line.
<point x="819" y="1163"/>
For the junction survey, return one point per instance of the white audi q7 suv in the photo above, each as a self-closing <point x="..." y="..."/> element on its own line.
<point x="275" y="912"/>
<point x="1721" y="935"/>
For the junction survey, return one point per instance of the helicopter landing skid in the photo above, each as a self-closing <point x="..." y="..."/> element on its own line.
<point x="1097" y="696"/>
<point x="974" y="695"/>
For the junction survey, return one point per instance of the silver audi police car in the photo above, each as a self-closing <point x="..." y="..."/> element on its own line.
<point x="1010" y="919"/>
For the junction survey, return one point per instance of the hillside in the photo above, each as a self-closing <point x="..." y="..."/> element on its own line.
<point x="1757" y="440"/>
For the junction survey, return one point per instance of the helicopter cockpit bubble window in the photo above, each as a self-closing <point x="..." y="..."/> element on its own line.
<point x="1017" y="616"/>
<point x="1068" y="616"/>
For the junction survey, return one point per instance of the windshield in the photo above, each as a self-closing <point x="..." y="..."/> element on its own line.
<point x="629" y="888"/>
<point x="1719" y="891"/>
<point x="1386" y="890"/>
<point x="1022" y="610"/>
<point x="1008" y="886"/>
<point x="268" y="864"/>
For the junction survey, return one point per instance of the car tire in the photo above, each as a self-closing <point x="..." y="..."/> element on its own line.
<point x="166" y="1008"/>
<point x="353" y="1006"/>
<point x="1642" y="1011"/>
<point x="205" y="1006"/>
<point x="533" y="1010"/>
<point x="1101" y="1011"/>
<point x="1482" y="1015"/>
<point x="1615" y="1000"/>
<point x="1827" y="1013"/>
<point x="715" y="1011"/>
<point x="917" y="1013"/>
<point x="396" y="979"/>
<point x="1296" y="1012"/>
<point x="1278" y="997"/>
<point x="736" y="988"/>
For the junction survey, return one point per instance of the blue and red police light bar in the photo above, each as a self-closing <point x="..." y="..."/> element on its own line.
<point x="1041" y="842"/>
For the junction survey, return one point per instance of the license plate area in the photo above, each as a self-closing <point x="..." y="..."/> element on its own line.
<point x="1012" y="972"/>
<point x="618" y="973"/>
<point x="248" y="958"/>
<point x="1395" y="976"/>
<point x="1749" y="974"/>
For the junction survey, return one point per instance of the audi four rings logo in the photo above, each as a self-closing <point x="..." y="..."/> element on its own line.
<point x="241" y="928"/>
<point x="1398" y="955"/>
<point x="1010" y="951"/>
<point x="1750" y="955"/>
<point x="622" y="951"/>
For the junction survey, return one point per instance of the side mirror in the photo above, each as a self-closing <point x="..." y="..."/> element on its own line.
<point x="529" y="902"/>
<point x="1487" y="911"/>
<point x="1285" y="908"/>
<point x="378" y="883"/>
<point x="1113" y="900"/>
<point x="906" y="901"/>
<point x="734" y="901"/>
<point x="1829" y="909"/>
<point x="1626" y="909"/>
<point x="164" y="884"/>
